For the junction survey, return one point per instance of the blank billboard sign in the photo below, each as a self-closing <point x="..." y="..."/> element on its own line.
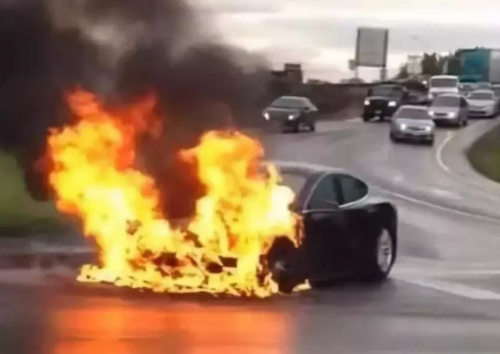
<point x="371" y="47"/>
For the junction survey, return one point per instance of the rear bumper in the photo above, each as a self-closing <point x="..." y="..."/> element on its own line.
<point x="446" y="121"/>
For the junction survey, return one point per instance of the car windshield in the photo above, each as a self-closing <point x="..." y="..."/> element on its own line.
<point x="385" y="91"/>
<point x="444" y="83"/>
<point x="482" y="96"/>
<point x="412" y="113"/>
<point x="446" y="101"/>
<point x="289" y="102"/>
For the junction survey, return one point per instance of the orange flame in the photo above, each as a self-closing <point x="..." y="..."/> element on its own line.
<point x="219" y="250"/>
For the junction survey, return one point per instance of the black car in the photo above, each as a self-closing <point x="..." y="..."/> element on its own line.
<point x="348" y="231"/>
<point x="384" y="100"/>
<point x="292" y="113"/>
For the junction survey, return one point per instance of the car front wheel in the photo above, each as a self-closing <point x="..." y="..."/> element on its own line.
<point x="283" y="261"/>
<point x="380" y="256"/>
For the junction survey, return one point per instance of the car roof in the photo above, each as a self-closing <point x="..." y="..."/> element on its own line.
<point x="420" y="108"/>
<point x="304" y="168"/>
<point x="444" y="77"/>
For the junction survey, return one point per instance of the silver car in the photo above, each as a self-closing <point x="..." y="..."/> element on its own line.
<point x="450" y="109"/>
<point x="483" y="103"/>
<point x="412" y="123"/>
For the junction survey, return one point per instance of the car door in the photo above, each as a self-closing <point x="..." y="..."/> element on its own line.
<point x="325" y="230"/>
<point x="356" y="215"/>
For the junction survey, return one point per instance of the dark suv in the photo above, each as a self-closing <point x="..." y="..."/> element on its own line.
<point x="384" y="100"/>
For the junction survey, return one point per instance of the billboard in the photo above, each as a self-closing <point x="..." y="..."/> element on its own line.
<point x="371" y="47"/>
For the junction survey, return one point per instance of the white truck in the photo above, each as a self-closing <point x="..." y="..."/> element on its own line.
<point x="441" y="84"/>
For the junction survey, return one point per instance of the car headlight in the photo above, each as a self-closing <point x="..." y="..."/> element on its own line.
<point x="266" y="116"/>
<point x="403" y="126"/>
<point x="452" y="114"/>
<point x="392" y="104"/>
<point x="431" y="113"/>
<point x="292" y="117"/>
<point x="430" y="96"/>
<point x="367" y="103"/>
<point x="428" y="129"/>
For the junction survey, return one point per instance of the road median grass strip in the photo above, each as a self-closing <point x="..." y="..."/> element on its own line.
<point x="484" y="154"/>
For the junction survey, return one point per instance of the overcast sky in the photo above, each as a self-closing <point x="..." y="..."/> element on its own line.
<point x="321" y="33"/>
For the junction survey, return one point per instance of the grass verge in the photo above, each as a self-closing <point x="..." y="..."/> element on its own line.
<point x="484" y="154"/>
<point x="20" y="215"/>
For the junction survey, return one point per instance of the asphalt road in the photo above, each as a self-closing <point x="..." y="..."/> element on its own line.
<point x="443" y="297"/>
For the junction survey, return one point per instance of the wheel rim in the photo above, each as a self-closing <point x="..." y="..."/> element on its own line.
<point x="385" y="252"/>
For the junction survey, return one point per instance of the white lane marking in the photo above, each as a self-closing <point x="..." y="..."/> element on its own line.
<point x="454" y="289"/>
<point x="439" y="152"/>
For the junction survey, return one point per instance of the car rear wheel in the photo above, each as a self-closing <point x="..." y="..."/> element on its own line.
<point x="366" y="119"/>
<point x="313" y="127"/>
<point x="380" y="257"/>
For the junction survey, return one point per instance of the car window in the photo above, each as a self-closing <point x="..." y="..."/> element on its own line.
<point x="352" y="189"/>
<point x="325" y="191"/>
<point x="482" y="96"/>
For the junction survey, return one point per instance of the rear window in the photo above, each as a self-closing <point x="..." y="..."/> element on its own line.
<point x="444" y="82"/>
<point x="446" y="101"/>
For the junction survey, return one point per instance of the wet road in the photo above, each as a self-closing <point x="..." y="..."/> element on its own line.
<point x="443" y="297"/>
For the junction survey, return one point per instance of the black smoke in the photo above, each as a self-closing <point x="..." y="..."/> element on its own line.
<point x="121" y="49"/>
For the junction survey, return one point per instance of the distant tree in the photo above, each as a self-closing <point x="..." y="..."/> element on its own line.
<point x="432" y="64"/>
<point x="403" y="72"/>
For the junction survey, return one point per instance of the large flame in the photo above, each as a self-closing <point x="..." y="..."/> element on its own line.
<point x="219" y="250"/>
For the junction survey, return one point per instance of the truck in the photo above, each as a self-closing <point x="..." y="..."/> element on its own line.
<point x="475" y="65"/>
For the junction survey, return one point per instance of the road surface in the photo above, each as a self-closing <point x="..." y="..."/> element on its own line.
<point x="443" y="297"/>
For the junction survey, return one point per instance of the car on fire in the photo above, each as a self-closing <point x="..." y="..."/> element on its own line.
<point x="384" y="100"/>
<point x="348" y="230"/>
<point x="292" y="113"/>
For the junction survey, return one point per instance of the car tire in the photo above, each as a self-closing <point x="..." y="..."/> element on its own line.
<point x="312" y="127"/>
<point x="366" y="119"/>
<point x="283" y="261"/>
<point x="394" y="139"/>
<point x="296" y="128"/>
<point x="379" y="257"/>
<point x="430" y="142"/>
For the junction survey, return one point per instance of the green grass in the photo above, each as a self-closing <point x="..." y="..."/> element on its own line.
<point x="20" y="215"/>
<point x="484" y="155"/>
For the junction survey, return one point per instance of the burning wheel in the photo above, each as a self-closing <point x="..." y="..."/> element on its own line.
<point x="284" y="263"/>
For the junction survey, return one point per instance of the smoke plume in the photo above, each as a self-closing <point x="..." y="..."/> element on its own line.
<point x="120" y="49"/>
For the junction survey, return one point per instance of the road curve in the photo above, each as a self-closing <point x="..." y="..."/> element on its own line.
<point x="443" y="297"/>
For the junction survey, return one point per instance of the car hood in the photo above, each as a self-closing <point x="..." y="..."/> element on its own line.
<point x="481" y="102"/>
<point x="418" y="123"/>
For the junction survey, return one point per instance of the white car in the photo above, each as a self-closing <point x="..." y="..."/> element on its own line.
<point x="483" y="103"/>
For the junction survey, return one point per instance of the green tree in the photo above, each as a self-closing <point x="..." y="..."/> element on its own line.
<point x="431" y="64"/>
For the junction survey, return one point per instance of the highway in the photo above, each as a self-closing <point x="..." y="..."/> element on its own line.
<point x="443" y="295"/>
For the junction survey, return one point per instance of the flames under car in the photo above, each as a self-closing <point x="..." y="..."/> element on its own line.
<point x="348" y="232"/>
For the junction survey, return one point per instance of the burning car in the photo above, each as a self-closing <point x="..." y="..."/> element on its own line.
<point x="348" y="231"/>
